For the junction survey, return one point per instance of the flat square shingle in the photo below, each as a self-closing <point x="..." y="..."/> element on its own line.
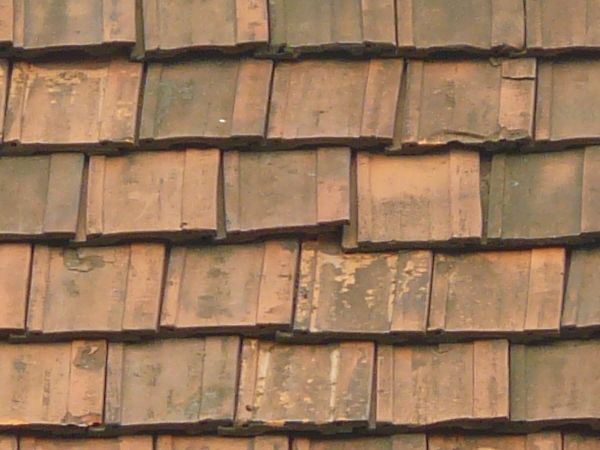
<point x="582" y="296"/>
<point x="120" y="443"/>
<point x="221" y="443"/>
<point x="15" y="266"/>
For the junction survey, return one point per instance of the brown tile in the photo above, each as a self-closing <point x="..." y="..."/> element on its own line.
<point x="334" y="102"/>
<point x="96" y="290"/>
<point x="573" y="441"/>
<point x="221" y="443"/>
<point x="6" y="24"/>
<point x="555" y="383"/>
<point x="305" y="386"/>
<point x="41" y="25"/>
<point x="247" y="286"/>
<point x="361" y="293"/>
<point x="39" y="195"/>
<point x="416" y="200"/>
<point x="447" y="383"/>
<point x="172" y="26"/>
<point x="52" y="384"/>
<point x="209" y="102"/>
<point x="582" y="296"/>
<point x="557" y="25"/>
<point x="481" y="25"/>
<point x="15" y="264"/>
<point x="440" y="107"/>
<point x="550" y="440"/>
<point x="9" y="442"/>
<point x="527" y="191"/>
<point x="568" y="95"/>
<point x="121" y="443"/>
<point x="168" y="193"/>
<point x="397" y="442"/>
<point x="4" y="78"/>
<point x="286" y="190"/>
<point x="317" y="25"/>
<point x="74" y="104"/>
<point x="174" y="382"/>
<point x="527" y="294"/>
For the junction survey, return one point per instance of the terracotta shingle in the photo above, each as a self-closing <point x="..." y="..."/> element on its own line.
<point x="231" y="286"/>
<point x="171" y="26"/>
<point x="377" y="293"/>
<point x="4" y="78"/>
<point x="286" y="190"/>
<point x="498" y="292"/>
<point x="397" y="442"/>
<point x="555" y="383"/>
<point x="221" y="443"/>
<point x="6" y="24"/>
<point x="305" y="386"/>
<point x="15" y="265"/>
<point x="481" y="25"/>
<point x="9" y="442"/>
<point x="96" y="290"/>
<point x="75" y="104"/>
<point x="582" y="295"/>
<point x="39" y="195"/>
<point x="165" y="193"/>
<point x="52" y="384"/>
<point x="315" y="25"/>
<point x="440" y="107"/>
<point x="420" y="199"/>
<point x="121" y="443"/>
<point x="538" y="441"/>
<point x="176" y="382"/>
<point x="334" y="102"/>
<point x="206" y="101"/>
<point x="447" y="383"/>
<point x="572" y="441"/>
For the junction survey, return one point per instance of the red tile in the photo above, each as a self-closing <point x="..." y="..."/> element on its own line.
<point x="121" y="443"/>
<point x="221" y="443"/>
<point x="52" y="384"/>
<point x="448" y="383"/>
<point x="74" y="104"/>
<point x="169" y="193"/>
<point x="582" y="296"/>
<point x="248" y="287"/>
<point x="208" y="102"/>
<point x="172" y="383"/>
<point x="550" y="440"/>
<point x="334" y="102"/>
<point x="15" y="265"/>
<point x="397" y="442"/>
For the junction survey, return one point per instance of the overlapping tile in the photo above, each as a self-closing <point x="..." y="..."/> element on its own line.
<point x="316" y="387"/>
<point x="581" y="305"/>
<point x="321" y="25"/>
<point x="15" y="266"/>
<point x="173" y="383"/>
<point x="550" y="440"/>
<point x="283" y="190"/>
<point x="473" y="25"/>
<point x="337" y="102"/>
<point x="52" y="385"/>
<point x="120" y="443"/>
<point x="171" y="27"/>
<point x="81" y="104"/>
<point x="415" y="200"/>
<point x="206" y="101"/>
<point x="39" y="195"/>
<point x="397" y="442"/>
<point x="555" y="383"/>
<point x="462" y="383"/>
<point x="167" y="193"/>
<point x="247" y="287"/>
<point x="222" y="443"/>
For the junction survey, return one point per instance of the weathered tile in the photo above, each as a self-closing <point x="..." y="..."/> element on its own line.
<point x="74" y="104"/>
<point x="416" y="200"/>
<point x="582" y="296"/>
<point x="568" y="95"/>
<point x="208" y="101"/>
<point x="334" y="102"/>
<point x="96" y="290"/>
<point x="15" y="265"/>
<point x="174" y="382"/>
<point x="8" y="442"/>
<point x="171" y="26"/>
<point x="440" y="107"/>
<point x="397" y="442"/>
<point x="546" y="197"/>
<point x="480" y="25"/>
<point x="52" y="384"/>
<point x="247" y="286"/>
<point x="447" y="383"/>
<point x="121" y="443"/>
<point x="221" y="443"/>
<point x="305" y="386"/>
<point x="558" y="25"/>
<point x="42" y="25"/>
<point x="316" y="25"/>
<point x="6" y="24"/>
<point x="555" y="383"/>
<point x="39" y="195"/>
<point x="366" y="293"/>
<point x="285" y="190"/>
<point x="168" y="193"/>
<point x="573" y="441"/>
<point x="550" y="440"/>
<point x="527" y="294"/>
<point x="4" y="78"/>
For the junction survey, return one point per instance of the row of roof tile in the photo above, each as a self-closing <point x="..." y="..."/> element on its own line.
<point x="97" y="105"/>
<point x="192" y="384"/>
<point x="289" y="27"/>
<point x="117" y="291"/>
